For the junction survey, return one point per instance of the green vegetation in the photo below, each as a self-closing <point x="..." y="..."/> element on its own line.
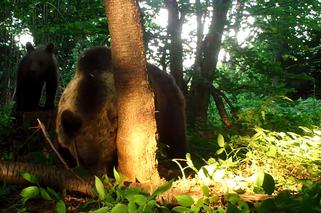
<point x="284" y="164"/>
<point x="268" y="160"/>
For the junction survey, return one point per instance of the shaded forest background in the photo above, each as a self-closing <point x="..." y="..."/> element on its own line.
<point x="250" y="71"/>
<point x="269" y="48"/>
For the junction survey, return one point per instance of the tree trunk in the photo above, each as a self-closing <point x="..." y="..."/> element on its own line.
<point x="174" y="30"/>
<point x="220" y="107"/>
<point x="10" y="173"/>
<point x="202" y="82"/>
<point x="136" y="143"/>
<point x="238" y="17"/>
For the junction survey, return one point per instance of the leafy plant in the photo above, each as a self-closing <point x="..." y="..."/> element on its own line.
<point x="32" y="192"/>
<point x="118" y="199"/>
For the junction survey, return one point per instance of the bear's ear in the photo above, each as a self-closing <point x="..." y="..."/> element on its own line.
<point x="50" y="48"/>
<point x="71" y="123"/>
<point x="29" y="47"/>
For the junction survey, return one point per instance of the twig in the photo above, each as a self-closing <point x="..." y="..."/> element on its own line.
<point x="45" y="133"/>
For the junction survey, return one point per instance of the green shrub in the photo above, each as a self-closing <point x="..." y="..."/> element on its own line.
<point x="277" y="113"/>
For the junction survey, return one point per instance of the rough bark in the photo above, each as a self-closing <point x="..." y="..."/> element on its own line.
<point x="136" y="143"/>
<point x="46" y="175"/>
<point x="202" y="81"/>
<point x="174" y="30"/>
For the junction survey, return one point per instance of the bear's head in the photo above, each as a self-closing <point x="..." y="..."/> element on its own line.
<point x="41" y="59"/>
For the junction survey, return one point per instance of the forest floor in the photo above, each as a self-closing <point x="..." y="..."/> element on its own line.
<point x="227" y="171"/>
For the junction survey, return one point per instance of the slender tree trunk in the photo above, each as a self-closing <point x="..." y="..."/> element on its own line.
<point x="136" y="143"/>
<point x="202" y="82"/>
<point x="220" y="107"/>
<point x="174" y="30"/>
<point x="238" y="17"/>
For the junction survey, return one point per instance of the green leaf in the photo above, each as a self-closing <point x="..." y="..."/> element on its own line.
<point x="220" y="210"/>
<point x="272" y="152"/>
<point x="44" y="194"/>
<point x="220" y="141"/>
<point x="184" y="200"/>
<point x="180" y="209"/>
<point x="117" y="176"/>
<point x="53" y="193"/>
<point x="163" y="209"/>
<point x="205" y="190"/>
<point x="219" y="151"/>
<point x="259" y="179"/>
<point x="195" y="209"/>
<point x="29" y="192"/>
<point x="232" y="208"/>
<point x="268" y="184"/>
<point x="199" y="202"/>
<point x="190" y="162"/>
<point x="100" y="188"/>
<point x="132" y="207"/>
<point x="265" y="181"/>
<point x="119" y="208"/>
<point x="29" y="177"/>
<point x="150" y="206"/>
<point x="233" y="198"/>
<point x="140" y="199"/>
<point x="163" y="188"/>
<point x="213" y="199"/>
<point x="243" y="206"/>
<point x="61" y="207"/>
<point x="101" y="210"/>
<point x="152" y="202"/>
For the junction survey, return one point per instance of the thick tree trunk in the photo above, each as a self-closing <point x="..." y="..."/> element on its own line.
<point x="174" y="30"/>
<point x="136" y="143"/>
<point x="202" y="82"/>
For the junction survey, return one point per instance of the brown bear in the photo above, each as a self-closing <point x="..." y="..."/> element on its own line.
<point x="36" y="68"/>
<point x="87" y="116"/>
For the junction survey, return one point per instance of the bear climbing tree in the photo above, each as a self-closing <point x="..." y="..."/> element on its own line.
<point x="37" y="67"/>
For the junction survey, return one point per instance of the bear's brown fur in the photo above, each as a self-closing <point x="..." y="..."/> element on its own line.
<point x="87" y="116"/>
<point x="37" y="67"/>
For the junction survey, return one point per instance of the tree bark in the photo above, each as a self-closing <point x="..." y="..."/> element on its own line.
<point x="220" y="107"/>
<point x="136" y="143"/>
<point x="174" y="30"/>
<point x="202" y="81"/>
<point x="10" y="173"/>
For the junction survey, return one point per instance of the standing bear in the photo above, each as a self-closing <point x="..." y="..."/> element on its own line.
<point x="87" y="115"/>
<point x="36" y="68"/>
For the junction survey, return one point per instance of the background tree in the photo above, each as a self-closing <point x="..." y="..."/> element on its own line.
<point x="174" y="30"/>
<point x="202" y="82"/>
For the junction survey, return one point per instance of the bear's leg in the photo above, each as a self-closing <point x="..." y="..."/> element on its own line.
<point x="31" y="96"/>
<point x="171" y="127"/>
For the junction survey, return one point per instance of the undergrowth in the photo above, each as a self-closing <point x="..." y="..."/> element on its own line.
<point x="278" y="113"/>
<point x="275" y="167"/>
